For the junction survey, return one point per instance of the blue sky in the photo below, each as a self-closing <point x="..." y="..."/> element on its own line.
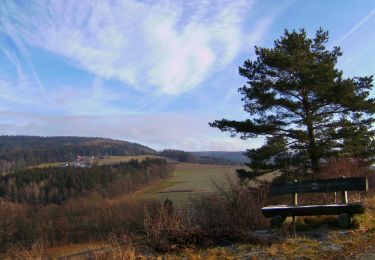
<point x="153" y="72"/>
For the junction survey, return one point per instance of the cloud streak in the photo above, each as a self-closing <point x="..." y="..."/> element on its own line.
<point x="355" y="28"/>
<point x="168" y="47"/>
<point x="11" y="32"/>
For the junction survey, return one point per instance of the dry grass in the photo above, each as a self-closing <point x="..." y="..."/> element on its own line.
<point x="123" y="250"/>
<point x="202" y="254"/>
<point x="18" y="252"/>
<point x="299" y="248"/>
<point x="366" y="221"/>
<point x="111" y="250"/>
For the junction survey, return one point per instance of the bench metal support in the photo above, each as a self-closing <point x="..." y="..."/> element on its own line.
<point x="344" y="197"/>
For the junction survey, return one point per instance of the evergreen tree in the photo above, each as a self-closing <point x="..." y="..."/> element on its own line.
<point x="301" y="104"/>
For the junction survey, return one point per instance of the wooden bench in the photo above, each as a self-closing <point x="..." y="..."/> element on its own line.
<point x="345" y="210"/>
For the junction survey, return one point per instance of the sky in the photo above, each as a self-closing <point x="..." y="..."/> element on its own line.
<point x="153" y="72"/>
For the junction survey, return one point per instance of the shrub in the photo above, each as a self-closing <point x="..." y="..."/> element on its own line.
<point x="348" y="167"/>
<point x="166" y="228"/>
<point x="345" y="166"/>
<point x="233" y="212"/>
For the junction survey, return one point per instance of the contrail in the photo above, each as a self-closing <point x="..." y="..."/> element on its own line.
<point x="355" y="27"/>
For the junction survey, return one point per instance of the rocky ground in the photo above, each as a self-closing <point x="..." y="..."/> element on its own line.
<point x="321" y="243"/>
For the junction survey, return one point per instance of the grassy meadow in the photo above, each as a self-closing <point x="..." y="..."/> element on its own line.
<point x="189" y="180"/>
<point x="118" y="159"/>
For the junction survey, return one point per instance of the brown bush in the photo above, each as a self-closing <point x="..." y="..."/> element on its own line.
<point x="92" y="219"/>
<point x="345" y="166"/>
<point x="18" y="252"/>
<point x="167" y="229"/>
<point x="229" y="215"/>
<point x="348" y="167"/>
<point x="77" y="221"/>
<point x="233" y="212"/>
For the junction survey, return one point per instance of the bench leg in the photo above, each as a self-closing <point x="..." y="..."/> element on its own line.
<point x="277" y="221"/>
<point x="344" y="220"/>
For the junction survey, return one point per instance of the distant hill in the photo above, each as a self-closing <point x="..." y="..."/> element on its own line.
<point x="198" y="157"/>
<point x="20" y="151"/>
<point x="237" y="157"/>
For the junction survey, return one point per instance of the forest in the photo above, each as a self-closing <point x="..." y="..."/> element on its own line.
<point x="37" y="186"/>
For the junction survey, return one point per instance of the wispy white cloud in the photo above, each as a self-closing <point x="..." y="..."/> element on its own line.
<point x="8" y="28"/>
<point x="168" y="46"/>
<point x="63" y="99"/>
<point x="15" y="93"/>
<point x="17" y="64"/>
<point x="158" y="48"/>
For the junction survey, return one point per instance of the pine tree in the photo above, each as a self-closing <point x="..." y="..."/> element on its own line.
<point x="303" y="107"/>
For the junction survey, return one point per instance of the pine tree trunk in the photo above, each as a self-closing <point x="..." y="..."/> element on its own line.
<point x="312" y="149"/>
<point x="315" y="165"/>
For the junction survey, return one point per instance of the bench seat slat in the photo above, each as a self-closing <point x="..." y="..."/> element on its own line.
<point x="311" y="210"/>
<point x="325" y="185"/>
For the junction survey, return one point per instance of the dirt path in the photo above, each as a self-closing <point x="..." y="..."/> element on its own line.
<point x="75" y="251"/>
<point x="88" y="254"/>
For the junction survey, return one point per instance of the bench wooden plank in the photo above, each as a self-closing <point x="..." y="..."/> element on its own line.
<point x="328" y="185"/>
<point x="311" y="210"/>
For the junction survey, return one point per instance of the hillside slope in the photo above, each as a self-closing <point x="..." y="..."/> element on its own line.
<point x="20" y="151"/>
<point x="237" y="157"/>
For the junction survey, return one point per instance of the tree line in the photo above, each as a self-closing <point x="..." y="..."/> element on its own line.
<point x="182" y="156"/>
<point x="56" y="185"/>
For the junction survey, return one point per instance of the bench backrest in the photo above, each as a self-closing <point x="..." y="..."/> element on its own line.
<point x="321" y="186"/>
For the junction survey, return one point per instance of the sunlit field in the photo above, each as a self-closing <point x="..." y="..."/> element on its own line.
<point x="189" y="180"/>
<point x="118" y="159"/>
<point x="106" y="160"/>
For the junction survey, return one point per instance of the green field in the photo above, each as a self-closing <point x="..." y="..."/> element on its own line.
<point x="190" y="180"/>
<point x="118" y="159"/>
